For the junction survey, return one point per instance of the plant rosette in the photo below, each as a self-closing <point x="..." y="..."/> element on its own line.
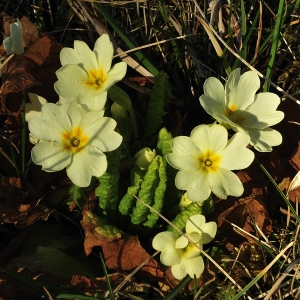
<point x="183" y="256"/>
<point x="239" y="108"/>
<point x="87" y="74"/>
<point x="205" y="160"/>
<point x="74" y="140"/>
<point x="14" y="44"/>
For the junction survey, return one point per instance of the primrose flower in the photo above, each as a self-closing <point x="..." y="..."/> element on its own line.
<point x="74" y="140"/>
<point x="144" y="157"/>
<point x="34" y="108"/>
<point x="14" y="43"/>
<point x="239" y="108"/>
<point x="184" y="257"/>
<point x="205" y="160"/>
<point x="88" y="73"/>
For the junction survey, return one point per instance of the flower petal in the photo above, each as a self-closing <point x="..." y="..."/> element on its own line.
<point x="195" y="267"/>
<point x="116" y="73"/>
<point x="209" y="231"/>
<point x="171" y="256"/>
<point x="212" y="137"/>
<point x="102" y="133"/>
<point x="227" y="123"/>
<point x="53" y="123"/>
<point x="68" y="56"/>
<point x="263" y="121"/>
<point x="240" y="90"/>
<point x="194" y="224"/>
<point x="224" y="183"/>
<point x="213" y="99"/>
<point x="7" y="44"/>
<point x="86" y="57"/>
<point x="76" y="114"/>
<point x="185" y="154"/>
<point x="164" y="240"/>
<point x="50" y="156"/>
<point x="264" y="104"/>
<point x="71" y="81"/>
<point x="181" y="242"/>
<point x="236" y="156"/>
<point x="263" y="140"/>
<point x="179" y="271"/>
<point x="104" y="52"/>
<point x="195" y="183"/>
<point x="34" y="109"/>
<point x="85" y="164"/>
<point x="93" y="103"/>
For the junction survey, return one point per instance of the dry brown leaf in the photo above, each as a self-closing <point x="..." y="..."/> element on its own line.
<point x="83" y="283"/>
<point x="30" y="32"/>
<point x="39" y="51"/>
<point x="127" y="253"/>
<point x="16" y="76"/>
<point x="241" y="212"/>
<point x="121" y="251"/>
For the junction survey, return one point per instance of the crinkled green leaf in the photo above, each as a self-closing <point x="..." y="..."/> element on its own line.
<point x="159" y="194"/>
<point x="107" y="191"/>
<point x="193" y="209"/>
<point x="146" y="193"/>
<point x="172" y="195"/>
<point x="128" y="200"/>
<point x="159" y="98"/>
<point x="164" y="142"/>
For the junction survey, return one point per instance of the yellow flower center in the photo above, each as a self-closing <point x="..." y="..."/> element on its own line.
<point x="96" y="79"/>
<point x="209" y="161"/>
<point x="190" y="251"/>
<point x="75" y="140"/>
<point x="234" y="115"/>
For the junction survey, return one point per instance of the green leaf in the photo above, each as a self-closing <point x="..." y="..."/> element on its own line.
<point x="159" y="98"/>
<point x="164" y="142"/>
<point x="146" y="193"/>
<point x="120" y="97"/>
<point x="172" y="194"/>
<point x="193" y="208"/>
<point x="78" y="194"/>
<point x="127" y="202"/>
<point x="120" y="114"/>
<point x="159" y="194"/>
<point x="107" y="191"/>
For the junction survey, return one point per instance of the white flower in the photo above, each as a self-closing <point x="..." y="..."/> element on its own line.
<point x="238" y="107"/>
<point x="14" y="43"/>
<point x="88" y="74"/>
<point x="74" y="140"/>
<point x="184" y="257"/>
<point x="144" y="157"/>
<point x="34" y="109"/>
<point x="205" y="160"/>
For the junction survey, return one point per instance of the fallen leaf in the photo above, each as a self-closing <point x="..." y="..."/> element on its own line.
<point x="16" y="76"/>
<point x="295" y="158"/>
<point x="121" y="251"/>
<point x="241" y="212"/>
<point x="126" y="253"/>
<point x="39" y="51"/>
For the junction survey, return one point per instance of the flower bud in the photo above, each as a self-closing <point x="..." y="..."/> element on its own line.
<point x="144" y="157"/>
